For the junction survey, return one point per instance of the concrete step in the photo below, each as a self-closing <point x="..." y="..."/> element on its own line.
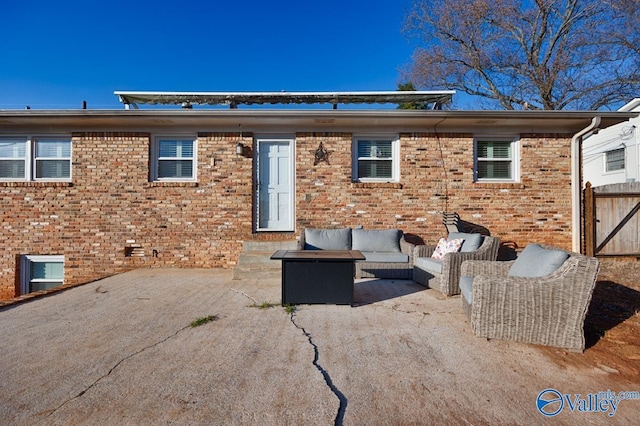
<point x="249" y="246"/>
<point x="245" y="272"/>
<point x="255" y="259"/>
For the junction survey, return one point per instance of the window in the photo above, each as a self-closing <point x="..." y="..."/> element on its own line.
<point x="53" y="159"/>
<point x="174" y="159"/>
<point x="27" y="159"/>
<point x="41" y="273"/>
<point x="13" y="159"/>
<point x="496" y="160"/>
<point x="376" y="159"/>
<point x="615" y="160"/>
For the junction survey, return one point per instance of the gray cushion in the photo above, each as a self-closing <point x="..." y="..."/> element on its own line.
<point x="327" y="239"/>
<point x="429" y="264"/>
<point x="472" y="242"/>
<point x="386" y="240"/>
<point x="466" y="288"/>
<point x="386" y="257"/>
<point x="535" y="261"/>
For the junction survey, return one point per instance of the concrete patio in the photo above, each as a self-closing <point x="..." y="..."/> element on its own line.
<point x="121" y="351"/>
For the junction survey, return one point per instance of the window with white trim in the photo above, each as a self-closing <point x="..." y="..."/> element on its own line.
<point x="41" y="272"/>
<point x="174" y="159"/>
<point x="35" y="159"/>
<point x="614" y="160"/>
<point x="376" y="159"/>
<point x="496" y="160"/>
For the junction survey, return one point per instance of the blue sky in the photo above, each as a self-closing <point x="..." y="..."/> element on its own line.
<point x="55" y="54"/>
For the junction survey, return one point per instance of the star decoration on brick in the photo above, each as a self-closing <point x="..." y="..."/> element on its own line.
<point x="321" y="154"/>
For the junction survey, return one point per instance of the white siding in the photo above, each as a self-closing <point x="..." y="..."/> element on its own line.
<point x="624" y="135"/>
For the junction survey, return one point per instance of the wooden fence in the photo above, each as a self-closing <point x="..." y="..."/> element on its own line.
<point x="611" y="220"/>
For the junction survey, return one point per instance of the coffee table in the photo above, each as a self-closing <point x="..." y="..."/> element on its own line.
<point x="317" y="276"/>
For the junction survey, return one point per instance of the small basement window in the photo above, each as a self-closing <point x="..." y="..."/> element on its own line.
<point x="40" y="272"/>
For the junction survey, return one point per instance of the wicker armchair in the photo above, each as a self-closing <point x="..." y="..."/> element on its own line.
<point x="548" y="310"/>
<point x="446" y="281"/>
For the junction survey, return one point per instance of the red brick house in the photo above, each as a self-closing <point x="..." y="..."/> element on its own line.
<point x="92" y="193"/>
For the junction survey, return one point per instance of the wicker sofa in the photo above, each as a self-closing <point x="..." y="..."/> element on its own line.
<point x="444" y="274"/>
<point x="542" y="297"/>
<point x="387" y="253"/>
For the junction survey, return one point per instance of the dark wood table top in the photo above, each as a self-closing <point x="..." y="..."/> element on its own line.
<point x="328" y="255"/>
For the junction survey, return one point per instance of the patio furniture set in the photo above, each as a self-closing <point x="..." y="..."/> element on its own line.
<point x="541" y="297"/>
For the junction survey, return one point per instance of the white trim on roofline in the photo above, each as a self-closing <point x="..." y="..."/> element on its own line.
<point x="632" y="105"/>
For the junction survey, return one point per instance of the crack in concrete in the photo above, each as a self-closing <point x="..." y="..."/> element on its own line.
<point x="255" y="302"/>
<point x="395" y="308"/>
<point x="114" y="367"/>
<point x="327" y="378"/>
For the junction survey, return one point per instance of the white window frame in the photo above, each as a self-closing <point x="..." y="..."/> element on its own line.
<point x="514" y="160"/>
<point x="155" y="163"/>
<point x="607" y="162"/>
<point x="25" y="270"/>
<point x="395" y="157"/>
<point x="31" y="161"/>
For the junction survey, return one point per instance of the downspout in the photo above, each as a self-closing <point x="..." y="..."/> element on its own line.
<point x="576" y="183"/>
<point x="636" y="148"/>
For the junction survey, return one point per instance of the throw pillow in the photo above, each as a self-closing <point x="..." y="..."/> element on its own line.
<point x="447" y="246"/>
<point x="472" y="242"/>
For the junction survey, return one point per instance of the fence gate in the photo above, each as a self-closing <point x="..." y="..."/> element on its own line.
<point x="612" y="220"/>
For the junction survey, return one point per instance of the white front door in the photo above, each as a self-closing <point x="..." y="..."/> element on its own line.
<point x="275" y="193"/>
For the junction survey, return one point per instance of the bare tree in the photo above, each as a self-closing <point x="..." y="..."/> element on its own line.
<point x="541" y="54"/>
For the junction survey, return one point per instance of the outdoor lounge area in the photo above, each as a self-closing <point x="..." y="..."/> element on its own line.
<point x="541" y="297"/>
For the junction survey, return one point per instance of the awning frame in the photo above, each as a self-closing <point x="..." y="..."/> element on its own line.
<point x="188" y="99"/>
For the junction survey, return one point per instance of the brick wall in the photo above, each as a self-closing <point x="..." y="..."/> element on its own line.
<point x="111" y="201"/>
<point x="437" y="175"/>
<point x="203" y="224"/>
